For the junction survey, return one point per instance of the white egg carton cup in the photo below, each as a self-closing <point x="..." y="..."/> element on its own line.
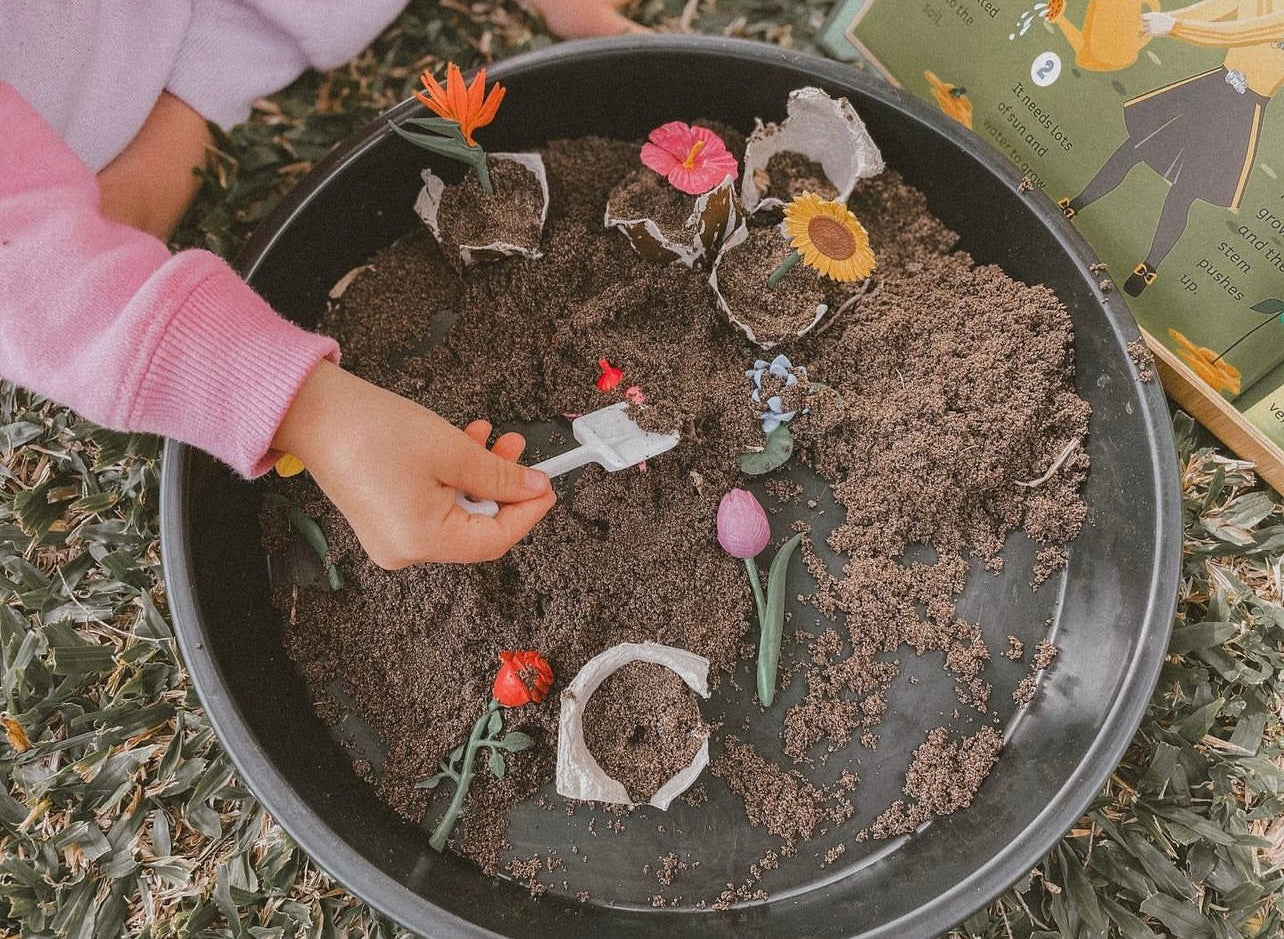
<point x="579" y="775"/>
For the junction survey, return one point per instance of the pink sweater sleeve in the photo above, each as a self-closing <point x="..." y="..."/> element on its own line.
<point x="102" y="318"/>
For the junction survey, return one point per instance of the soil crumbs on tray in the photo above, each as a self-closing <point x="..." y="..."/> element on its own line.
<point x="955" y="383"/>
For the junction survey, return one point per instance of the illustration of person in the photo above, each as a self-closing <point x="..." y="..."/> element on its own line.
<point x="1199" y="133"/>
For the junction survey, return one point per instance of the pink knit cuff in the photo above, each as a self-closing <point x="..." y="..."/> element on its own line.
<point x="225" y="371"/>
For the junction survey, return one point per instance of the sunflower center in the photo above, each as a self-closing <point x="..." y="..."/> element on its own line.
<point x="831" y="237"/>
<point x="696" y="147"/>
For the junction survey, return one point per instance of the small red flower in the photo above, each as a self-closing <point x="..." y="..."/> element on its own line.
<point x="634" y="394"/>
<point x="610" y="376"/>
<point x="524" y="678"/>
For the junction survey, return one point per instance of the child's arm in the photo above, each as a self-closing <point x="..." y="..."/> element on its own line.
<point x="102" y="318"/>
<point x="574" y="19"/>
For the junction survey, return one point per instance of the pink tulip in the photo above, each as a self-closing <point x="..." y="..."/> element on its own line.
<point x="693" y="159"/>
<point x="743" y="529"/>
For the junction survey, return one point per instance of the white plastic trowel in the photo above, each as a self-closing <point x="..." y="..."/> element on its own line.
<point x="607" y="436"/>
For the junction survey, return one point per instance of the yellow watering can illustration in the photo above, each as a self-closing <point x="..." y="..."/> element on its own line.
<point x="1111" y="37"/>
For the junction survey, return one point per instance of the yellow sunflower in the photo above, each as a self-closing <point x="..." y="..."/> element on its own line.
<point x="830" y="239"/>
<point x="289" y="465"/>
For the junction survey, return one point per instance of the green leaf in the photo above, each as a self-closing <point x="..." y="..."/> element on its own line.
<point x="1130" y="926"/>
<point x="15" y="434"/>
<point x="1201" y="826"/>
<point x="82" y="660"/>
<point x="1182" y="917"/>
<point x="1161" y="870"/>
<point x="307" y="526"/>
<point x="1162" y="766"/>
<point x="497" y="764"/>
<point x="1200" y="636"/>
<point x="1270" y="306"/>
<point x="1079" y="890"/>
<point x="439" y="125"/>
<point x="456" y="753"/>
<point x="517" y="741"/>
<point x="432" y="781"/>
<point x="1200" y="721"/>
<point x="776" y="452"/>
<point x="1247" y="736"/>
<point x="772" y="626"/>
<point x="449" y="146"/>
<point x="494" y="724"/>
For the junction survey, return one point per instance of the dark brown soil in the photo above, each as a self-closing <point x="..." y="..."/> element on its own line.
<point x="779" y="313"/>
<point x="644" y="193"/>
<point x="643" y="726"/>
<point x="952" y="382"/>
<point x="791" y="174"/>
<point x="470" y="216"/>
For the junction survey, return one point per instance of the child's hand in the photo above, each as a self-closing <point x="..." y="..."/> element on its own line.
<point x="392" y="468"/>
<point x="575" y="19"/>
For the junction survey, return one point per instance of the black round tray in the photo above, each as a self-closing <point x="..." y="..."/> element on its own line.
<point x="1111" y="608"/>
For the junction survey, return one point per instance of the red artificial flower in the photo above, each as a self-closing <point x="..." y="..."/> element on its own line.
<point x="610" y="376"/>
<point x="634" y="394"/>
<point x="524" y="678"/>
<point x="693" y="159"/>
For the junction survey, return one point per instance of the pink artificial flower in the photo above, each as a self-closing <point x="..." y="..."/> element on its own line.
<point x="743" y="529"/>
<point x="634" y="394"/>
<point x="693" y="159"/>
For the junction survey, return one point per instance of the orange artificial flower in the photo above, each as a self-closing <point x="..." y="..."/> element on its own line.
<point x="466" y="104"/>
<point x="1208" y="365"/>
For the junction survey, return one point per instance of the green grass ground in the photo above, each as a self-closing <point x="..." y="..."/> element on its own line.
<point x="121" y="815"/>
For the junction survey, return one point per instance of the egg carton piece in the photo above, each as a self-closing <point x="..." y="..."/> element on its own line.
<point x="579" y="775"/>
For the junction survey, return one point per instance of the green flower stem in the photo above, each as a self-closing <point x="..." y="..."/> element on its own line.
<point x="784" y="268"/>
<point x="483" y="173"/>
<point x="1269" y="320"/>
<point x="447" y="823"/>
<point x="772" y="624"/>
<point x="758" y="598"/>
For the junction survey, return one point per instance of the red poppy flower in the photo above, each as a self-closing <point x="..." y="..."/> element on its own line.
<point x="524" y="678"/>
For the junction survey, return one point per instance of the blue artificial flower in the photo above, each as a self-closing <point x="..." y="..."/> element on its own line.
<point x="779" y="367"/>
<point x="774" y="416"/>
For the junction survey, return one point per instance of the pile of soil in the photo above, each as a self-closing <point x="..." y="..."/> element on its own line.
<point x="643" y="725"/>
<point x="946" y="385"/>
<point x="644" y="193"/>
<point x="788" y="175"/>
<point x="471" y="216"/>
<point x="774" y="313"/>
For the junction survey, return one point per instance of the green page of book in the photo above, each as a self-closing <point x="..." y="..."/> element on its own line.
<point x="1169" y="148"/>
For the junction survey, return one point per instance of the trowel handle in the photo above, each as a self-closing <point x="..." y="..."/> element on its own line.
<point x="553" y="466"/>
<point x="565" y="462"/>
